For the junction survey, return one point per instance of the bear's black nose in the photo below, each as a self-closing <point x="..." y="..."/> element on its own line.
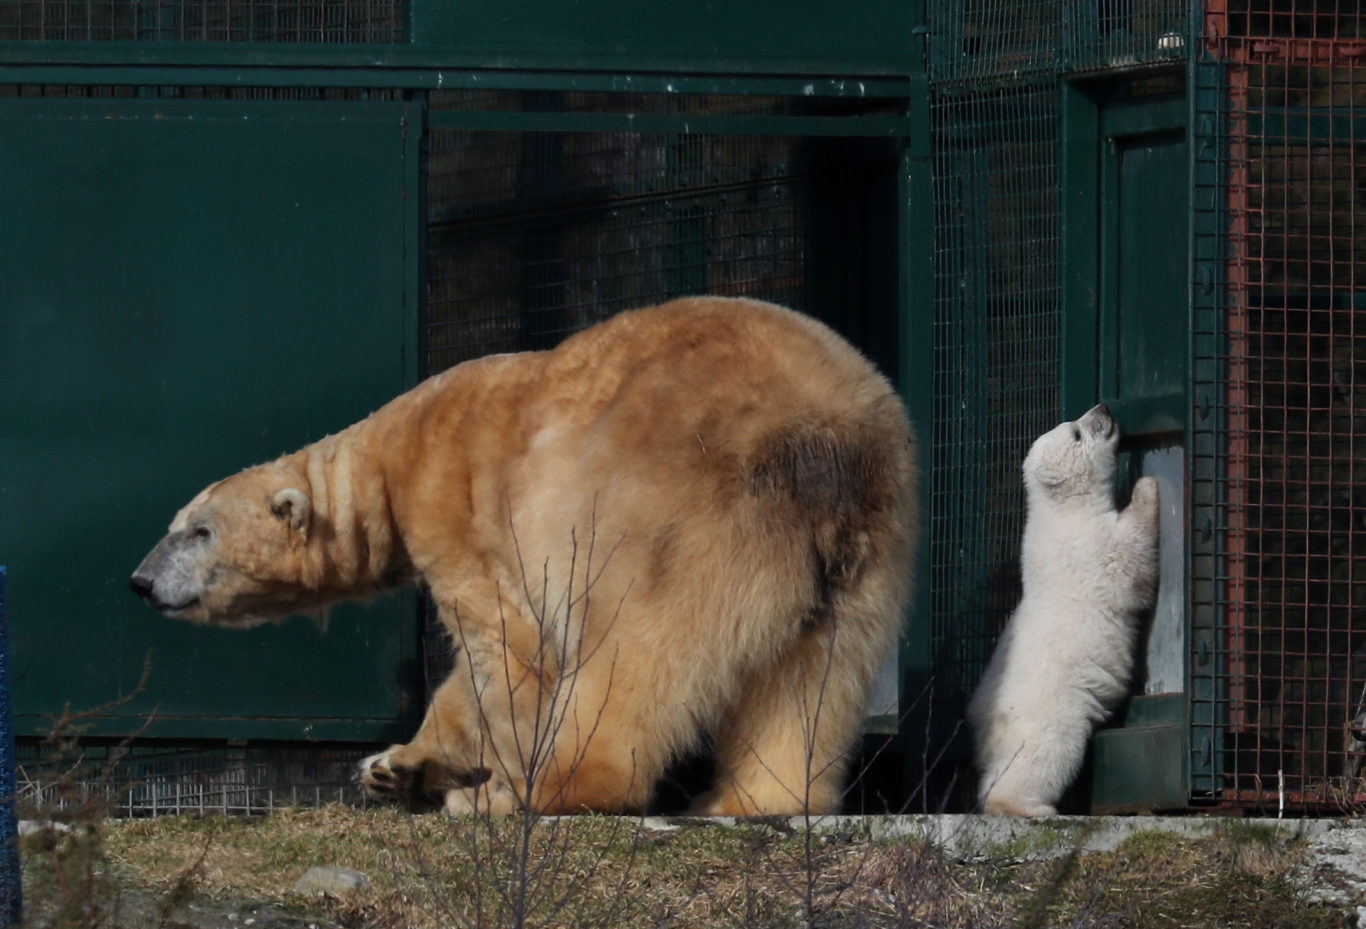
<point x="142" y="586"/>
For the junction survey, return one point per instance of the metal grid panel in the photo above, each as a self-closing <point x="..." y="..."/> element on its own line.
<point x="321" y="21"/>
<point x="1282" y="670"/>
<point x="996" y="340"/>
<point x="1297" y="19"/>
<point x="148" y="780"/>
<point x="990" y="39"/>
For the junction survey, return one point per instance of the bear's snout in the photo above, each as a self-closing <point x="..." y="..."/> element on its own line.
<point x="167" y="579"/>
<point x="1099" y="420"/>
<point x="142" y="586"/>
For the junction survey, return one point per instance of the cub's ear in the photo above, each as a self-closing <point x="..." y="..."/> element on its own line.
<point x="1048" y="477"/>
<point x="292" y="505"/>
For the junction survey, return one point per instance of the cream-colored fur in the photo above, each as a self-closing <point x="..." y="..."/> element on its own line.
<point x="1066" y="657"/>
<point x="692" y="518"/>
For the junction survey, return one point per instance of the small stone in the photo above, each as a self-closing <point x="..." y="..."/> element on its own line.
<point x="330" y="880"/>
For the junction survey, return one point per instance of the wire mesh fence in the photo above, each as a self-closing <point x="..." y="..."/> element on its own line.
<point x="315" y="21"/>
<point x="130" y="778"/>
<point x="996" y="340"/>
<point x="986" y="40"/>
<point x="1284" y="665"/>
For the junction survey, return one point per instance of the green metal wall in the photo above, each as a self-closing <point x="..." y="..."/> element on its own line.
<point x="813" y="39"/>
<point x="191" y="288"/>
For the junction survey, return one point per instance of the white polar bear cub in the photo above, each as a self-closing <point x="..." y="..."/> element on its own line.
<point x="1066" y="657"/>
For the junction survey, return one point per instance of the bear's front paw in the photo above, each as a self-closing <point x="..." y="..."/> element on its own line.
<point x="403" y="774"/>
<point x="385" y="777"/>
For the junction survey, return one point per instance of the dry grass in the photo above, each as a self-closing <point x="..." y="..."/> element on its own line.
<point x="591" y="871"/>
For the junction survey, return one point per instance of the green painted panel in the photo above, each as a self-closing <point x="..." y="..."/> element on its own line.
<point x="1147" y="248"/>
<point x="739" y="37"/>
<point x="188" y="289"/>
<point x="745" y="36"/>
<point x="1139" y="768"/>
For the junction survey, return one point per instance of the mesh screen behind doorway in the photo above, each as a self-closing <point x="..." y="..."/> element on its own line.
<point x="996" y="331"/>
<point x="534" y="235"/>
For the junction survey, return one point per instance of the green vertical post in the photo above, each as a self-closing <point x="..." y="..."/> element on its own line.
<point x="1206" y="596"/>
<point x="1080" y="258"/>
<point x="915" y="191"/>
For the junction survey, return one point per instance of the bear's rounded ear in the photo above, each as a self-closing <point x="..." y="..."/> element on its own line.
<point x="1048" y="477"/>
<point x="292" y="505"/>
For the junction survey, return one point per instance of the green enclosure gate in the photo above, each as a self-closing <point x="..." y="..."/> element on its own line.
<point x="227" y="229"/>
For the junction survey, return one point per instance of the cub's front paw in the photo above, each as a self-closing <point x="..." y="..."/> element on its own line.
<point x="1145" y="493"/>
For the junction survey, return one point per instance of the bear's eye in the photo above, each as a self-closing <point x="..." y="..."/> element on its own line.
<point x="1076" y="434"/>
<point x="203" y="533"/>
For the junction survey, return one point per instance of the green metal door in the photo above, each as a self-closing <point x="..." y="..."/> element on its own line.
<point x="189" y="288"/>
<point x="1127" y="331"/>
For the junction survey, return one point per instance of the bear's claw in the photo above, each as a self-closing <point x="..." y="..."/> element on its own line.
<point x="418" y="785"/>
<point x="383" y="779"/>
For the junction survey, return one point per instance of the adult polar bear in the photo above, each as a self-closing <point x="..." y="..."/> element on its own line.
<point x="1065" y="658"/>
<point x="696" y="517"/>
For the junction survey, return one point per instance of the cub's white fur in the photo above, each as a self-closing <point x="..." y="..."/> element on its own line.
<point x="1066" y="656"/>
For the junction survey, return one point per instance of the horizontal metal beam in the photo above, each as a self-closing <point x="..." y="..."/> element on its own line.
<point x="844" y="126"/>
<point x="283" y="66"/>
<point x="1306" y="125"/>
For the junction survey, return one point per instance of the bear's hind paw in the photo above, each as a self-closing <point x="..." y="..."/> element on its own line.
<point x="493" y="798"/>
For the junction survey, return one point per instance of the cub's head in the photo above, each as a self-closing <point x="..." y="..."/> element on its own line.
<point x="236" y="554"/>
<point x="1075" y="459"/>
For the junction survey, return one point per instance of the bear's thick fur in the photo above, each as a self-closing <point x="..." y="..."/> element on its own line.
<point x="696" y="518"/>
<point x="1066" y="656"/>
